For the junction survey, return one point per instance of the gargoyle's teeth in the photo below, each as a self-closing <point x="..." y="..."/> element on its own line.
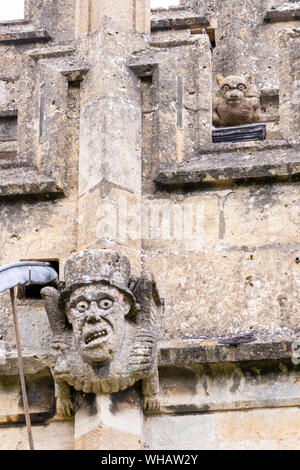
<point x="96" y="335"/>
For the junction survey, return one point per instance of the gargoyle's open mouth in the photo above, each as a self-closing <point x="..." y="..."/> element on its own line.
<point x="234" y="98"/>
<point x="95" y="336"/>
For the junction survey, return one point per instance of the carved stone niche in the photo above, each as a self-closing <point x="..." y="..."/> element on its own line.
<point x="105" y="326"/>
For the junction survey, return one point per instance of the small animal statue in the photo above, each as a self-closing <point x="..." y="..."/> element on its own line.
<point x="236" y="103"/>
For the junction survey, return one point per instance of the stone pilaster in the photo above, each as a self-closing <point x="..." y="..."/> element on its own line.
<point x="109" y="422"/>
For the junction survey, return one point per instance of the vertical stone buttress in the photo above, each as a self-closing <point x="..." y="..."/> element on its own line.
<point x="109" y="195"/>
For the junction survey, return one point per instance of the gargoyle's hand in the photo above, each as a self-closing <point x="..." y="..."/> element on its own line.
<point x="216" y="118"/>
<point x="64" y="401"/>
<point x="50" y="296"/>
<point x="57" y="318"/>
<point x="151" y="404"/>
<point x="143" y="352"/>
<point x="64" y="408"/>
<point x="145" y="337"/>
<point x="61" y="345"/>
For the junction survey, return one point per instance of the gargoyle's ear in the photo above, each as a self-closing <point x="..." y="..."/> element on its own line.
<point x="57" y="318"/>
<point x="148" y="299"/>
<point x="133" y="282"/>
<point x="220" y="80"/>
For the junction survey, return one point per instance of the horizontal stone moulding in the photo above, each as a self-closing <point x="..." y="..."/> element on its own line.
<point x="23" y="37"/>
<point x="19" y="181"/>
<point x="22" y="21"/>
<point x="8" y="152"/>
<point x="171" y="354"/>
<point x="226" y="162"/>
<point x="49" y="52"/>
<point x="7" y="155"/>
<point x="289" y="13"/>
<point x="34" y="363"/>
<point x="179" y="23"/>
<point x="12" y="112"/>
<point x="211" y="351"/>
<point x="76" y="72"/>
<point x="207" y="406"/>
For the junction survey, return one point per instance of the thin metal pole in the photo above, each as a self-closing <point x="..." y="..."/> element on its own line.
<point x="21" y="370"/>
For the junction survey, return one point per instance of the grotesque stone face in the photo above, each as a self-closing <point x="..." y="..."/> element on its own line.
<point x="236" y="103"/>
<point x="234" y="89"/>
<point x="105" y="351"/>
<point x="97" y="313"/>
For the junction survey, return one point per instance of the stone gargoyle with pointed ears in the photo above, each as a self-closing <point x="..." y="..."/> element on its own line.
<point x="105" y="326"/>
<point x="237" y="102"/>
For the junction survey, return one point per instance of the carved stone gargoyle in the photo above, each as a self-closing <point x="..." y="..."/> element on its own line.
<point x="236" y="103"/>
<point x="105" y="326"/>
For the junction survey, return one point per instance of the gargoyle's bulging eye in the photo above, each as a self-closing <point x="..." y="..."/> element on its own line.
<point x="82" y="306"/>
<point x="225" y="87"/>
<point x="105" y="304"/>
<point x="242" y="87"/>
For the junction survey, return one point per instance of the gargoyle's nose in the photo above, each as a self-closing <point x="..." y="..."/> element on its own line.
<point x="93" y="314"/>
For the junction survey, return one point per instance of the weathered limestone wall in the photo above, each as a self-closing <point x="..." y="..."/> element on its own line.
<point x="128" y="15"/>
<point x="245" y="246"/>
<point x="275" y="429"/>
<point x="289" y="83"/>
<point x="40" y="159"/>
<point x="106" y="142"/>
<point x="54" y="436"/>
<point x="110" y="145"/>
<point x="38" y="165"/>
<point x="245" y="42"/>
<point x="237" y="239"/>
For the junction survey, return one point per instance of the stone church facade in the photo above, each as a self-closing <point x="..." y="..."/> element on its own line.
<point x="153" y="159"/>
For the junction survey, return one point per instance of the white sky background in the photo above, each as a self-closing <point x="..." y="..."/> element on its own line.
<point x="11" y="10"/>
<point x="163" y="3"/>
<point x="14" y="9"/>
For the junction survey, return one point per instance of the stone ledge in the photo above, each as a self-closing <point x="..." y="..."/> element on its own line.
<point x="25" y="181"/>
<point x="23" y="37"/>
<point x="214" y="407"/>
<point x="8" y="152"/>
<point x="75" y="72"/>
<point x="162" y="24"/>
<point x="282" y="14"/>
<point x="34" y="363"/>
<point x="12" y="112"/>
<point x="50" y="52"/>
<point x="228" y="162"/>
<point x="211" y="352"/>
<point x="176" y="354"/>
<point x="23" y="21"/>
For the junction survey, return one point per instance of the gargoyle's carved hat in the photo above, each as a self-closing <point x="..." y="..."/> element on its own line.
<point x="89" y="267"/>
